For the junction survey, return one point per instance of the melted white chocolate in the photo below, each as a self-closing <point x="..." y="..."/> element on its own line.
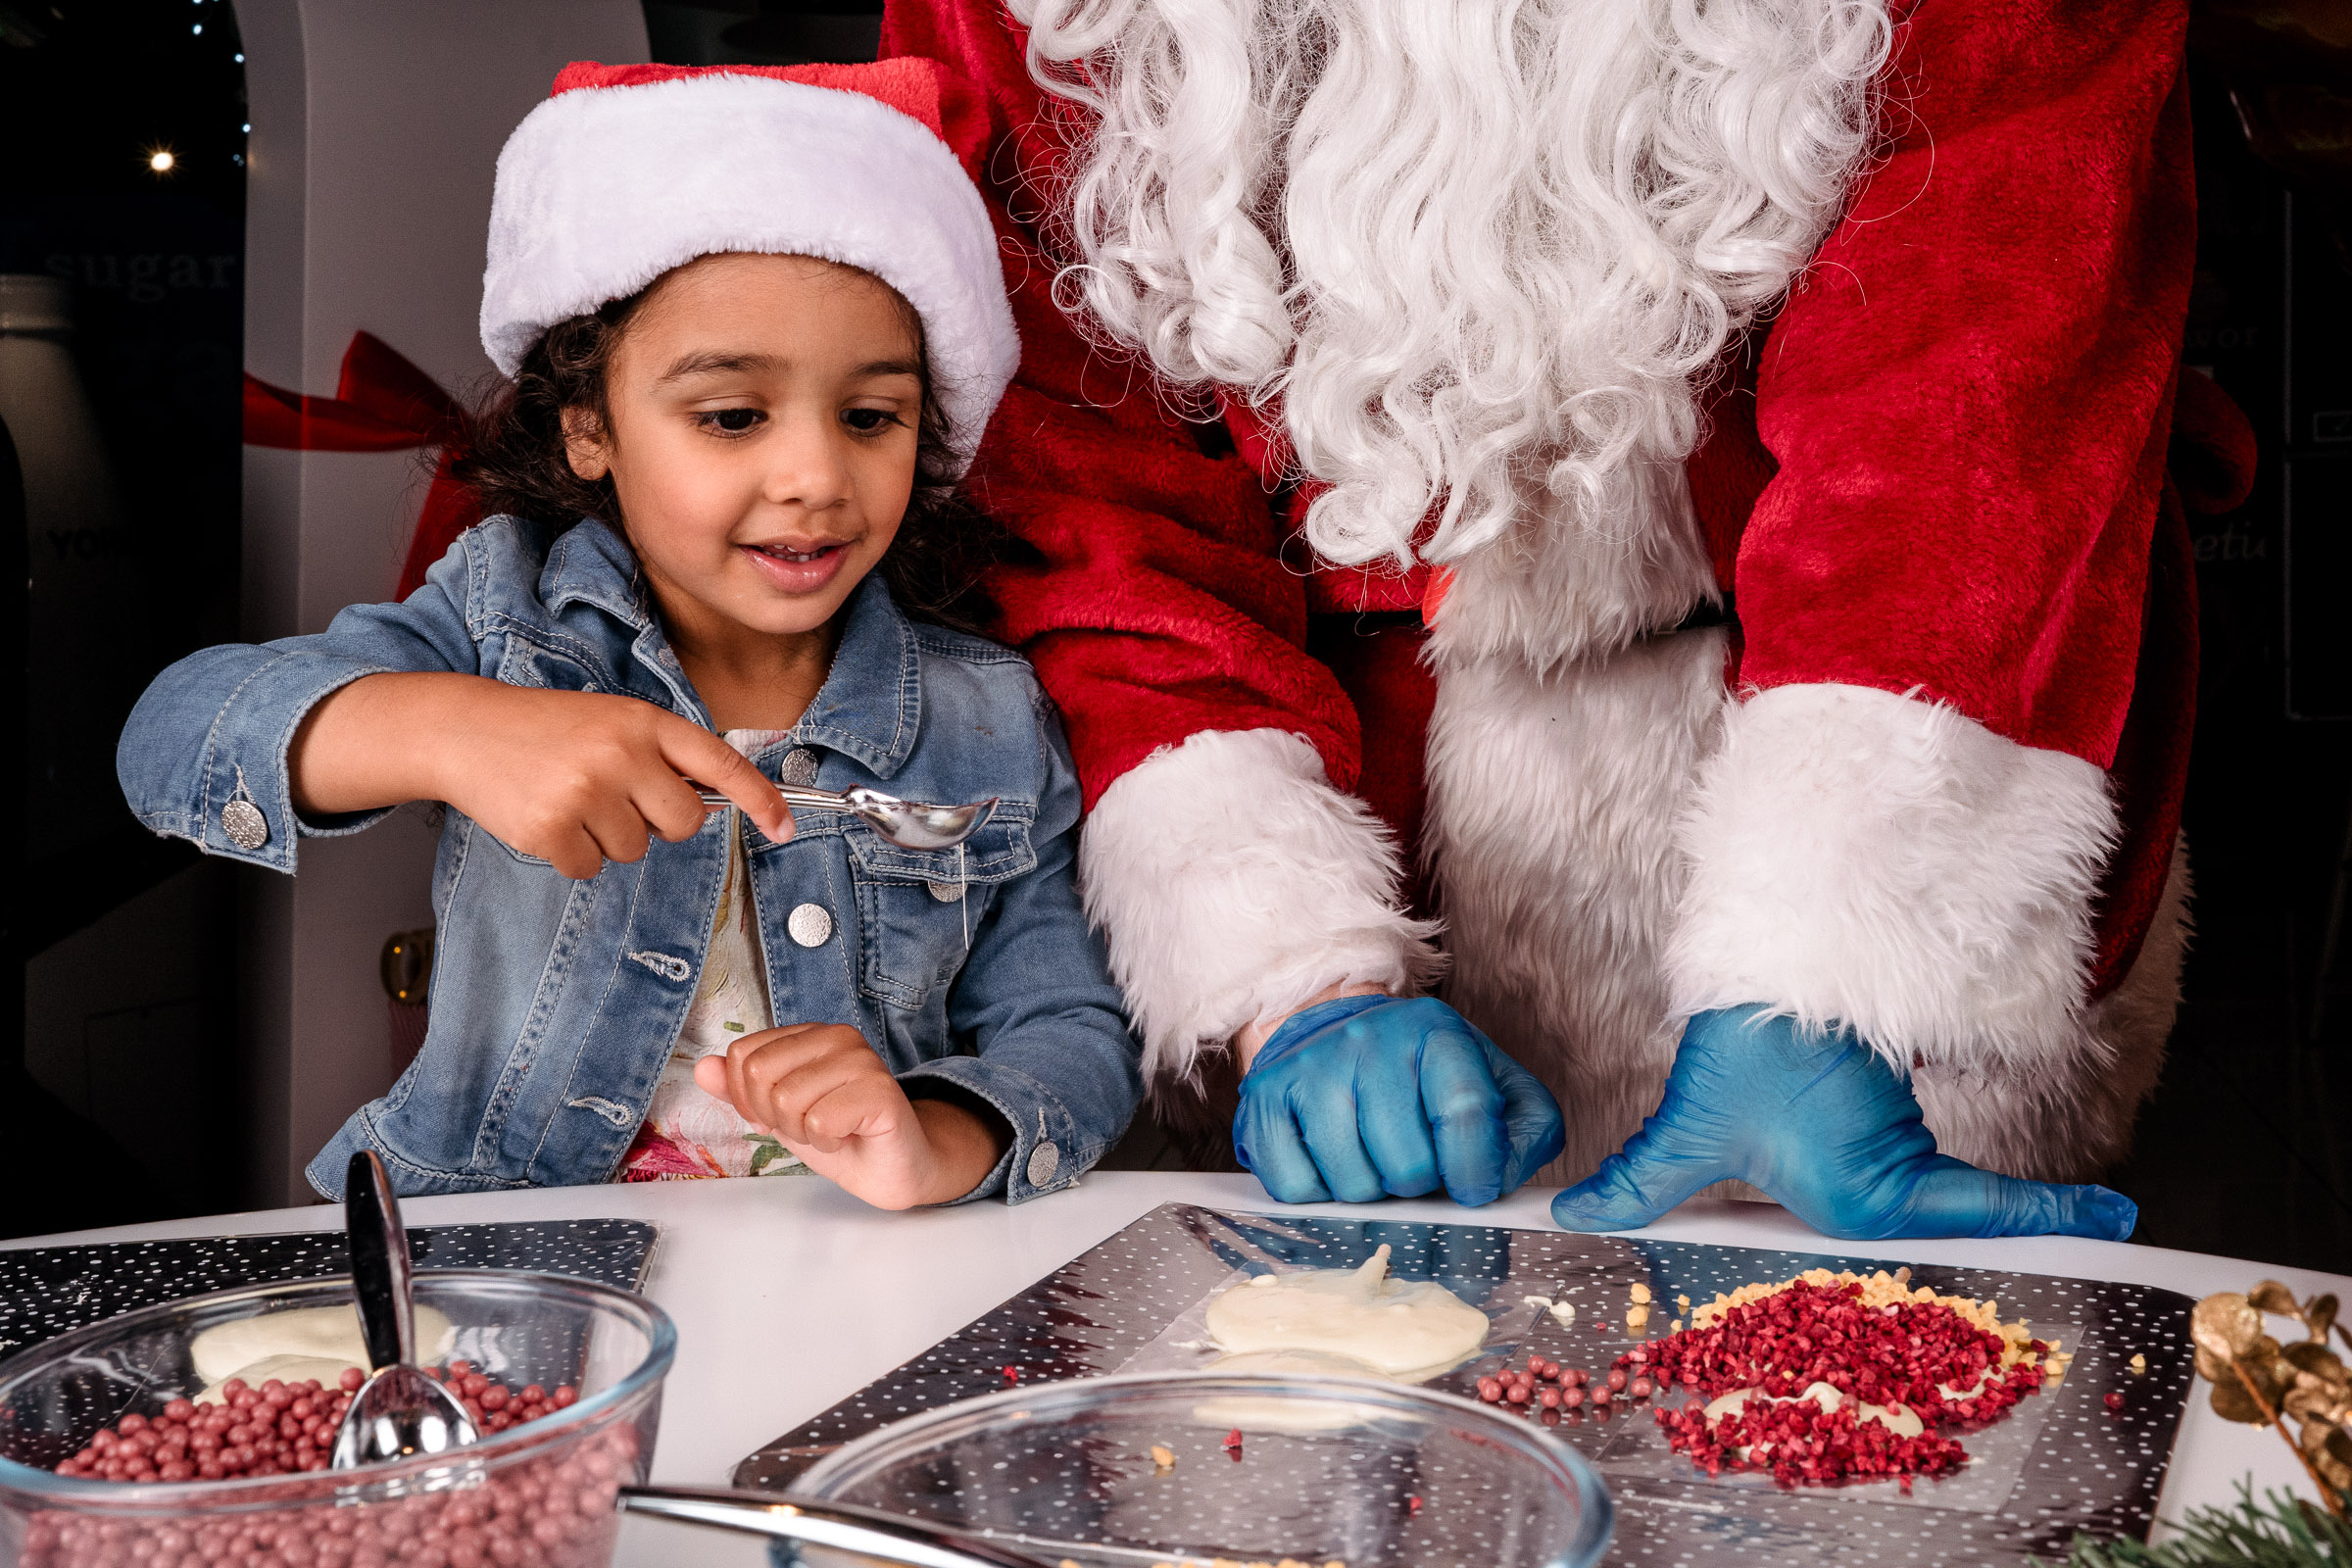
<point x="306" y="1342"/>
<point x="1902" y="1420"/>
<point x="1390" y="1328"/>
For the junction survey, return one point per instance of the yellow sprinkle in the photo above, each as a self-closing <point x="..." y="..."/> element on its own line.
<point x="1641" y="1295"/>
<point x="1162" y="1457"/>
<point x="1683" y="1302"/>
<point x="2140" y="1363"/>
<point x="1674" y="1326"/>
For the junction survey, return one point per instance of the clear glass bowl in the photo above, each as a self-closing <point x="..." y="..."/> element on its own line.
<point x="1375" y="1475"/>
<point x="538" y="1493"/>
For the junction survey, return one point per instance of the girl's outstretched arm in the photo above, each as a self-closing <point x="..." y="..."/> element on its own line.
<point x="246" y="748"/>
<point x="576" y="778"/>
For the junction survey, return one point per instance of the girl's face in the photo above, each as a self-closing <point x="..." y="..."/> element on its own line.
<point x="762" y="439"/>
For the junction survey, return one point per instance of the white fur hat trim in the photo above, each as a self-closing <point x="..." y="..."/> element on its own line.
<point x="601" y="191"/>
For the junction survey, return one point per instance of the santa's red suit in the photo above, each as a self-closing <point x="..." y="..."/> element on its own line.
<point x="1860" y="687"/>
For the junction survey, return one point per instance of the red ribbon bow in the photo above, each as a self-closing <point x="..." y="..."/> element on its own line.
<point x="382" y="403"/>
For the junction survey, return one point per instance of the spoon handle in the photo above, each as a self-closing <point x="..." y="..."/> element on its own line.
<point x="845" y="1527"/>
<point x="379" y="1262"/>
<point x="794" y="795"/>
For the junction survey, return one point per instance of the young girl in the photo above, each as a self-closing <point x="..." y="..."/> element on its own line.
<point x="755" y="325"/>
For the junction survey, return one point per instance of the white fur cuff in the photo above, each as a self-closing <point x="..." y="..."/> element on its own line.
<point x="1232" y="882"/>
<point x="1865" y="859"/>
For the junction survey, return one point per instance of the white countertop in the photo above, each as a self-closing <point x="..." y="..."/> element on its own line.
<point x="789" y="1294"/>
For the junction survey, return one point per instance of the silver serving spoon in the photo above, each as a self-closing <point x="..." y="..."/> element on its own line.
<point x="909" y="824"/>
<point x="867" y="1533"/>
<point x="399" y="1412"/>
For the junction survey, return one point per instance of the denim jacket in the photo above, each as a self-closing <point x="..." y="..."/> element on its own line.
<point x="554" y="1003"/>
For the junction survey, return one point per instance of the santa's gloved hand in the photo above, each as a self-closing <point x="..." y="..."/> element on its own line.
<point x="1824" y="1127"/>
<point x="1366" y="1097"/>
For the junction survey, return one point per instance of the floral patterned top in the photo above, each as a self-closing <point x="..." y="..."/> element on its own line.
<point x="687" y="1133"/>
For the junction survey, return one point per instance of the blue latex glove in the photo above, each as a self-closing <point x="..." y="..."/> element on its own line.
<point x="1824" y="1127"/>
<point x="1369" y="1097"/>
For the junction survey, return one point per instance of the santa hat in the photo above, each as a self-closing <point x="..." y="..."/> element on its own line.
<point x="626" y="171"/>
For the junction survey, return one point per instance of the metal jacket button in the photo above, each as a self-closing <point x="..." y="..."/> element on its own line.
<point x="798" y="767"/>
<point x="244" y="824"/>
<point x="1044" y="1160"/>
<point x="809" y="925"/>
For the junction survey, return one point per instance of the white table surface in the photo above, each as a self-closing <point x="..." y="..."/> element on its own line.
<point x="789" y="1294"/>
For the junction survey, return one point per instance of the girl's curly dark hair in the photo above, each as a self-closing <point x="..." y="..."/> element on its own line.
<point x="516" y="464"/>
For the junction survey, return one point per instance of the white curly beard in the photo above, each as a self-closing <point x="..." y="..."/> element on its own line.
<point x="1468" y="245"/>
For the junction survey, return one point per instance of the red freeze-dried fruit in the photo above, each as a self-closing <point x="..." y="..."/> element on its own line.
<point x="1805" y="1334"/>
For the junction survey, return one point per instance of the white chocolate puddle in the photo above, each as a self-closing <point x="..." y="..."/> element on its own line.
<point x="1384" y="1327"/>
<point x="308" y="1341"/>
<point x="1901" y="1420"/>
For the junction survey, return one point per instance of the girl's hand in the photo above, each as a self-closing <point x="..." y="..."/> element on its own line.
<point x="825" y="1094"/>
<point x="576" y="778"/>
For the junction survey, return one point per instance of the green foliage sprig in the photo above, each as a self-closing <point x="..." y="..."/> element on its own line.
<point x="2284" y="1531"/>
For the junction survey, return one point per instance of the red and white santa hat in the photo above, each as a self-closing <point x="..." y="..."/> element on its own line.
<point x="626" y="171"/>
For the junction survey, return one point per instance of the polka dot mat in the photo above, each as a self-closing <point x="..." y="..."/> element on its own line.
<point x="2061" y="1462"/>
<point x="48" y="1290"/>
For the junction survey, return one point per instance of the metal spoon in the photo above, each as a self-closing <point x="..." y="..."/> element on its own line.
<point x="909" y="824"/>
<point x="842" y="1525"/>
<point x="399" y="1411"/>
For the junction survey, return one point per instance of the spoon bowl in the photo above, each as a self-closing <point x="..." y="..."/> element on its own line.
<point x="914" y="825"/>
<point x="908" y="824"/>
<point x="399" y="1412"/>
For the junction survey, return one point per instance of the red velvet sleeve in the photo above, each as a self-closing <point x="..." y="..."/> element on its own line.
<point x="1159" y="607"/>
<point x="1968" y="393"/>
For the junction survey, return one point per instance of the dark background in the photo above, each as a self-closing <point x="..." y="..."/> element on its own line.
<point x="2245" y="1150"/>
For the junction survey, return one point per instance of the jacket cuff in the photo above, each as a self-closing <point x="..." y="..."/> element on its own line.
<point x="1875" y="862"/>
<point x="1231" y="882"/>
<point x="1047" y="1153"/>
<point x="247" y="747"/>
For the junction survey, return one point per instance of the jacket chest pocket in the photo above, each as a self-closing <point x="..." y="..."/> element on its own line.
<point x="527" y="664"/>
<point x="918" y="908"/>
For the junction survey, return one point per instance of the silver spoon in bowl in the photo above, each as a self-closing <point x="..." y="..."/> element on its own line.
<point x="909" y="824"/>
<point x="399" y="1412"/>
<point x="864" y="1535"/>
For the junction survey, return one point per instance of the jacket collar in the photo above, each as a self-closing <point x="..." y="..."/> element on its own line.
<point x="870" y="706"/>
<point x="591" y="563"/>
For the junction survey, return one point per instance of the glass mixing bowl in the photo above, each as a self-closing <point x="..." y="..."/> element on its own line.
<point x="538" y="1493"/>
<point x="1186" y="1468"/>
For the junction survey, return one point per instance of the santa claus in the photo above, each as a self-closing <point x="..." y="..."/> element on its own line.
<point x="1648" y="517"/>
